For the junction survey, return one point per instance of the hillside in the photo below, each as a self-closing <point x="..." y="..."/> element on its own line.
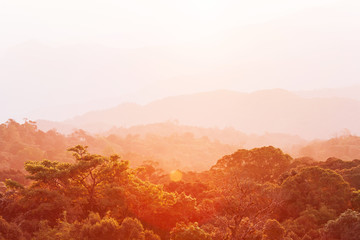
<point x="24" y="142"/>
<point x="344" y="147"/>
<point x="274" y="111"/>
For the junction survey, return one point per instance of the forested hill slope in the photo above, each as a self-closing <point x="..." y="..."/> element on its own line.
<point x="345" y="147"/>
<point x="24" y="142"/>
<point x="263" y="111"/>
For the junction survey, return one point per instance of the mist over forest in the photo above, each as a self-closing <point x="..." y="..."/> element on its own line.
<point x="171" y="181"/>
<point x="271" y="164"/>
<point x="180" y="120"/>
<point x="272" y="111"/>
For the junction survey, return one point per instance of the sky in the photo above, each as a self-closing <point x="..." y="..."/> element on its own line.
<point x="61" y="58"/>
<point x="135" y="23"/>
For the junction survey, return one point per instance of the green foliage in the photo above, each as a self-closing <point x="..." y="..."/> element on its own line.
<point x="239" y="198"/>
<point x="264" y="164"/>
<point x="273" y="230"/>
<point x="245" y="206"/>
<point x="190" y="231"/>
<point x="15" y="175"/>
<point x="345" y="227"/>
<point x="11" y="184"/>
<point x="150" y="203"/>
<point x="43" y="204"/>
<point x="88" y="178"/>
<point x="248" y="230"/>
<point x="131" y="228"/>
<point x="315" y="187"/>
<point x="60" y="232"/>
<point x="150" y="235"/>
<point x="355" y="200"/>
<point x="343" y="147"/>
<point x="24" y="142"/>
<point x="93" y="228"/>
<point x="9" y="231"/>
<point x="310" y="220"/>
<point x="48" y="174"/>
<point x="338" y="164"/>
<point x="352" y="176"/>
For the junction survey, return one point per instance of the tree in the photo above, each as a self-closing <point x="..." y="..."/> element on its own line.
<point x="87" y="178"/>
<point x="315" y="187"/>
<point x="95" y="227"/>
<point x="273" y="230"/>
<point x="132" y="229"/>
<point x="9" y="231"/>
<point x="352" y="176"/>
<point x="310" y="221"/>
<point x="264" y="164"/>
<point x="246" y="206"/>
<point x="246" y="196"/>
<point x="345" y="227"/>
<point x="190" y="231"/>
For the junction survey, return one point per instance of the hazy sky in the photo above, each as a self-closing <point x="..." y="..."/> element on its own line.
<point x="136" y="23"/>
<point x="55" y="53"/>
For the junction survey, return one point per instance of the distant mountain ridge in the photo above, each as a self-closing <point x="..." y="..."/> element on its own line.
<point x="352" y="92"/>
<point x="276" y="111"/>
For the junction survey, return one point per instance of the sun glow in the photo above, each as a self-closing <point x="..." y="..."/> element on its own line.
<point x="175" y="176"/>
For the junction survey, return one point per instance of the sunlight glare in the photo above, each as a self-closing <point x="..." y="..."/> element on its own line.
<point x="175" y="176"/>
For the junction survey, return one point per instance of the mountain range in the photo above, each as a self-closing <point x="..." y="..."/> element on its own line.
<point x="274" y="111"/>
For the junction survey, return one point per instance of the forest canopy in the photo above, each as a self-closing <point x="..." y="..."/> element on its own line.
<point x="51" y="190"/>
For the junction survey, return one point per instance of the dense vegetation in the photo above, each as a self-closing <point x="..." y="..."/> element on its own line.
<point x="24" y="142"/>
<point x="346" y="147"/>
<point x="254" y="194"/>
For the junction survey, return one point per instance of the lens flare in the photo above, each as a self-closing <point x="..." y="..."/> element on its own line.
<point x="175" y="176"/>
